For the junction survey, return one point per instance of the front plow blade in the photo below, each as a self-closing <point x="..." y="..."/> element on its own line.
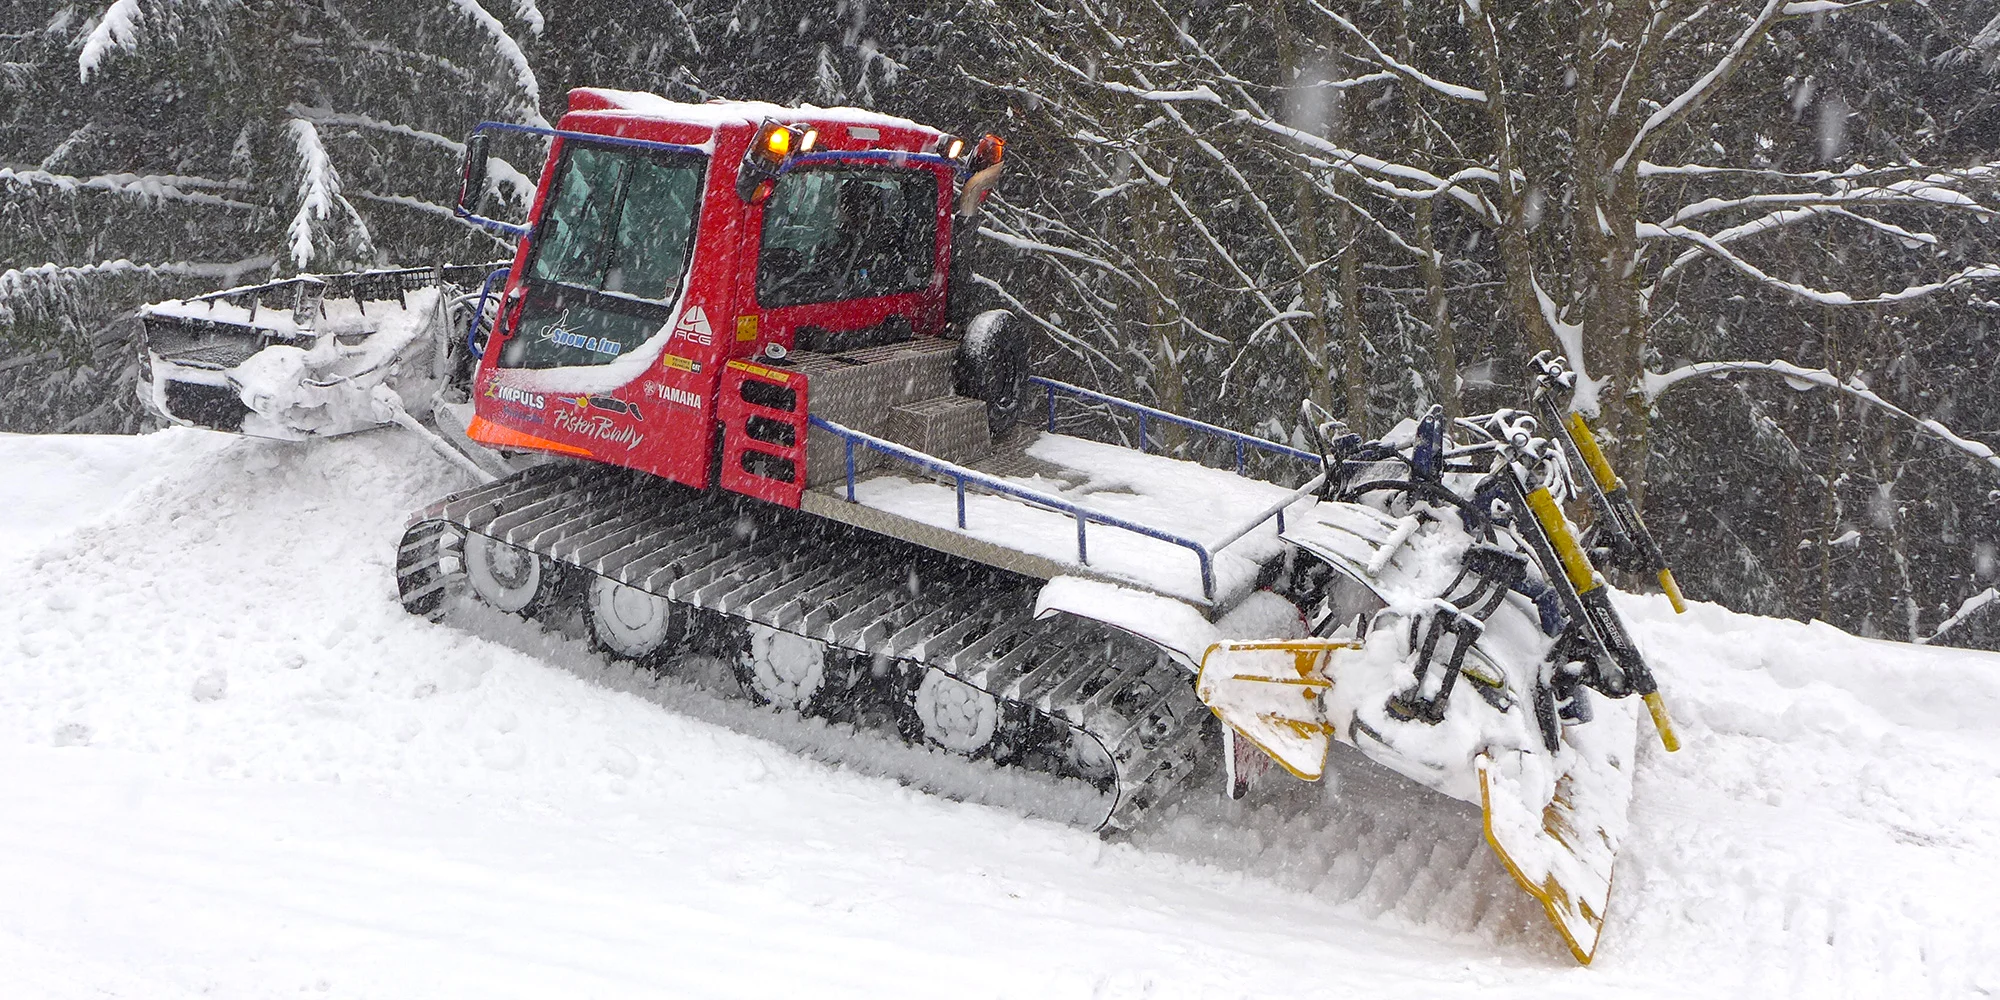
<point x="1558" y="833"/>
<point x="1554" y="820"/>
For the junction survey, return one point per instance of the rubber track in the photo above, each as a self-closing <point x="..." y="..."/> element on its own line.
<point x="853" y="590"/>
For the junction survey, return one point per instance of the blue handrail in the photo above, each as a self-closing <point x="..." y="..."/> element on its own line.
<point x="1147" y="413"/>
<point x="599" y="137"/>
<point x="961" y="475"/>
<point x="479" y="311"/>
<point x="885" y="155"/>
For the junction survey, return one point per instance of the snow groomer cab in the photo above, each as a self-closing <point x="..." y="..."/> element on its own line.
<point x="695" y="279"/>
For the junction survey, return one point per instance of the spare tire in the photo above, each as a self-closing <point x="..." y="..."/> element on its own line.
<point x="993" y="367"/>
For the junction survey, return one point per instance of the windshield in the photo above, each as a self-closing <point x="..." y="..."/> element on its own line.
<point x="838" y="234"/>
<point x="610" y="251"/>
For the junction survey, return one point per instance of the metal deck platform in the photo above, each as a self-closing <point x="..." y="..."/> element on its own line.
<point x="1045" y="505"/>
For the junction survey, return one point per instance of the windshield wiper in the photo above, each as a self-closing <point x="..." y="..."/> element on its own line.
<point x="621" y="296"/>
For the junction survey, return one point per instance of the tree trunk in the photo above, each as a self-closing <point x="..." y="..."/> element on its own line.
<point x="1443" y="343"/>
<point x="1153" y="228"/>
<point x="1318" y="367"/>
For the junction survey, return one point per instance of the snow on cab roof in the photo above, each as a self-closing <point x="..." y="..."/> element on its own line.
<point x="720" y="114"/>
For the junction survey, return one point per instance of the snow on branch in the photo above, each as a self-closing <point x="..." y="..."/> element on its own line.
<point x="319" y="192"/>
<point x="498" y="171"/>
<point x="1069" y="340"/>
<point x="1570" y="336"/>
<point x="1929" y="191"/>
<point x="1402" y="69"/>
<point x="1228" y="166"/>
<point x="325" y="116"/>
<point x="21" y="283"/>
<point x="1221" y="251"/>
<point x="1739" y="51"/>
<point x="1349" y="83"/>
<point x="1382" y="175"/>
<point x="152" y="187"/>
<point x="1803" y="8"/>
<point x="1691" y="98"/>
<point x="530" y="15"/>
<point x="1648" y="169"/>
<point x="1375" y="172"/>
<point x="433" y="208"/>
<point x="510" y="50"/>
<point x="416" y="204"/>
<point x="1714" y="248"/>
<point x="318" y="186"/>
<point x="1965" y="610"/>
<point x="1657" y="383"/>
<point x="1034" y="246"/>
<point x="1933" y="190"/>
<point x="118" y="28"/>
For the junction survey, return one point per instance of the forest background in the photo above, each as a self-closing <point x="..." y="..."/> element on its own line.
<point x="1220" y="208"/>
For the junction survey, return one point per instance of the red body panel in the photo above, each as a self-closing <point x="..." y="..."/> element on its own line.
<point x="663" y="419"/>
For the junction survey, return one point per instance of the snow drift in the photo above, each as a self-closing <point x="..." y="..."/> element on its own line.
<point x="234" y="767"/>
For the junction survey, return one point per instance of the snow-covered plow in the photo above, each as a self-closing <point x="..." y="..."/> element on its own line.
<point x="309" y="356"/>
<point x="1464" y="640"/>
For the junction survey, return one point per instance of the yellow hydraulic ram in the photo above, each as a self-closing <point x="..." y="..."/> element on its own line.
<point x="1597" y="609"/>
<point x="1618" y="500"/>
<point x="1616" y="512"/>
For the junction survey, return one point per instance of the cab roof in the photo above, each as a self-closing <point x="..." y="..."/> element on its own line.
<point x="840" y="128"/>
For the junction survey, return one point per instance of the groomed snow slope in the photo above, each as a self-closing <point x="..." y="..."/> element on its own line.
<point x="231" y="766"/>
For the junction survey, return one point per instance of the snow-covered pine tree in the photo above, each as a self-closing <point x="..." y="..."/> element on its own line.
<point x="156" y="147"/>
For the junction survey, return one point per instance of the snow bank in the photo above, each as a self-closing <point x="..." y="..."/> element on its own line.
<point x="57" y="483"/>
<point x="233" y="767"/>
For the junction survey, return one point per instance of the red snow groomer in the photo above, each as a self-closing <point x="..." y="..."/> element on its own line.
<point x="782" y="435"/>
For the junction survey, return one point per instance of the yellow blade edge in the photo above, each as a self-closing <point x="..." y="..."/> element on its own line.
<point x="1266" y="691"/>
<point x="1576" y="904"/>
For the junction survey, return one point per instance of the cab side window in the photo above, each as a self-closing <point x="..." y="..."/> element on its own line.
<point x="836" y="234"/>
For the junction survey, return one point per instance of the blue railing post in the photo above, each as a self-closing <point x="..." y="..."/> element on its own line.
<point x="850" y="470"/>
<point x="1239" y="456"/>
<point x="1207" y="574"/>
<point x="1082" y="554"/>
<point x="479" y="313"/>
<point x="1148" y="414"/>
<point x="1142" y="432"/>
<point x="961" y="500"/>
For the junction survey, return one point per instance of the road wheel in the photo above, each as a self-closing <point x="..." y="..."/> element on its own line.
<point x="502" y="575"/>
<point x="631" y="622"/>
<point x="781" y="669"/>
<point x="956" y="716"/>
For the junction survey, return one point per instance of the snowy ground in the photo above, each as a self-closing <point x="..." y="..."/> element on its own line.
<point x="230" y="765"/>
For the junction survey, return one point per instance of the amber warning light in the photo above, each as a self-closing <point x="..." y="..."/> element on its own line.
<point x="777" y="141"/>
<point x="765" y="159"/>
